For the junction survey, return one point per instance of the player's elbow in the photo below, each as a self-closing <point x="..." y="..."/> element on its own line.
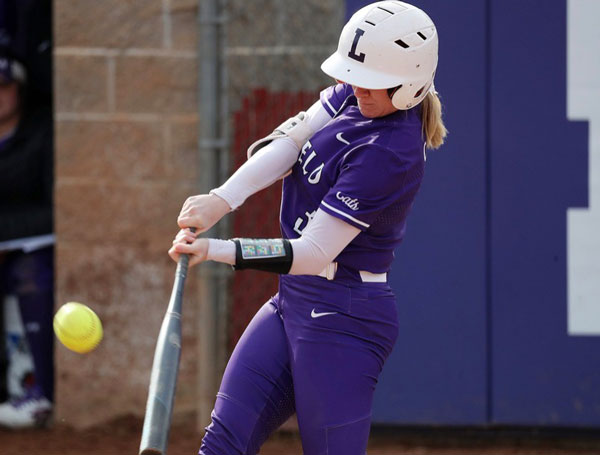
<point x="308" y="258"/>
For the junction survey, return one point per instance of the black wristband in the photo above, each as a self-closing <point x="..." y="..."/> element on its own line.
<point x="268" y="255"/>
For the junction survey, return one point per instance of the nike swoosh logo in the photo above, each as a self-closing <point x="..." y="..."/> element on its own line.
<point x="314" y="314"/>
<point x="339" y="137"/>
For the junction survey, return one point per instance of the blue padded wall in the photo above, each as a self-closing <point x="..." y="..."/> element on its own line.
<point x="540" y="374"/>
<point x="481" y="278"/>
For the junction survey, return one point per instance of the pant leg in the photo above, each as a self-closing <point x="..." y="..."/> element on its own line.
<point x="336" y="359"/>
<point x="31" y="280"/>
<point x="256" y="393"/>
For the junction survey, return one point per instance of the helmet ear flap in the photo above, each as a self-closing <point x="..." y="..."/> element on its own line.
<point x="406" y="99"/>
<point x="395" y="97"/>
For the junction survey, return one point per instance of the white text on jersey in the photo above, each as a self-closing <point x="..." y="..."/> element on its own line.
<point x="299" y="221"/>
<point x="315" y="174"/>
<point x="351" y="203"/>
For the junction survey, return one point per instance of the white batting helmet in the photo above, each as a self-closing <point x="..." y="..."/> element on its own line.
<point x="386" y="45"/>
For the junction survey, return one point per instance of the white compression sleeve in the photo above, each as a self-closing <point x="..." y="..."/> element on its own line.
<point x="317" y="117"/>
<point x="263" y="169"/>
<point x="221" y="251"/>
<point x="322" y="240"/>
<point x="268" y="164"/>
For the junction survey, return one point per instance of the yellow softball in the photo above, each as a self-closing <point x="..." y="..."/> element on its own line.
<point x="77" y="327"/>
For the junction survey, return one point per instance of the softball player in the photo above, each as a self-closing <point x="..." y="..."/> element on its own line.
<point x="352" y="166"/>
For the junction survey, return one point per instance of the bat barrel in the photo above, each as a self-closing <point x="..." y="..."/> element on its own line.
<point x="161" y="393"/>
<point x="165" y="367"/>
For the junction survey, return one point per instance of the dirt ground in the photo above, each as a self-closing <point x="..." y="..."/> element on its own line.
<point x="121" y="437"/>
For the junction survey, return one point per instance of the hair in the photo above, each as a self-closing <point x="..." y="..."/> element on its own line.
<point x="434" y="130"/>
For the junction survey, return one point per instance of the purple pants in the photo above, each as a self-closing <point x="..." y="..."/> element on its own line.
<point x="30" y="277"/>
<point x="317" y="349"/>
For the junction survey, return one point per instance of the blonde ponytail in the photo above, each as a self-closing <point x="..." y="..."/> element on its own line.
<point x="434" y="130"/>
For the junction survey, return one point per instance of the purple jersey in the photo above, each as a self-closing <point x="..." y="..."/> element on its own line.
<point x="363" y="171"/>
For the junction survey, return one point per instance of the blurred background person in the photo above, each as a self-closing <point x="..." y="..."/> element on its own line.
<point x="26" y="251"/>
<point x="26" y="213"/>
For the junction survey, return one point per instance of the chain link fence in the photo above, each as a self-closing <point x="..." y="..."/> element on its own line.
<point x="273" y="55"/>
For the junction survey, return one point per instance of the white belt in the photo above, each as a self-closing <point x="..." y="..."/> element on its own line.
<point x="366" y="277"/>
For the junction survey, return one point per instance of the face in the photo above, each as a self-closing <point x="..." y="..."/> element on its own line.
<point x="9" y="100"/>
<point x="373" y="103"/>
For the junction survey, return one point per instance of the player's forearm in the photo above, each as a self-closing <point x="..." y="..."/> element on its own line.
<point x="321" y="242"/>
<point x="266" y="167"/>
<point x="271" y="161"/>
<point x="221" y="251"/>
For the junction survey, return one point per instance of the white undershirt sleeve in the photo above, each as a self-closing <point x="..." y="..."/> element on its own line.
<point x="263" y="169"/>
<point x="221" y="251"/>
<point x="323" y="239"/>
<point x="317" y="116"/>
<point x="269" y="164"/>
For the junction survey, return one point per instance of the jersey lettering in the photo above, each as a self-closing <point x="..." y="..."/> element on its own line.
<point x="306" y="147"/>
<point x="351" y="203"/>
<point x="300" y="221"/>
<point x="315" y="174"/>
<point x="308" y="160"/>
<point x="352" y="54"/>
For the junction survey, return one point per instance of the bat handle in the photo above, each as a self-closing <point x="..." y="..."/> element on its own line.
<point x="184" y="259"/>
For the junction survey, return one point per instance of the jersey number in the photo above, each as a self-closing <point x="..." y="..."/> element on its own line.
<point x="300" y="225"/>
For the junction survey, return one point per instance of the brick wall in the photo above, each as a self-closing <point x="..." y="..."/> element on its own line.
<point x="126" y="159"/>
